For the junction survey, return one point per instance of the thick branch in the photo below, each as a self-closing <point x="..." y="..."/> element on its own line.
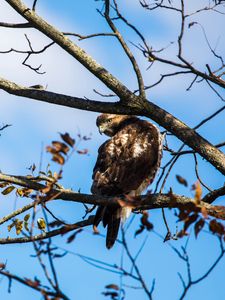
<point x="77" y="52"/>
<point x="140" y="107"/>
<point x="152" y="201"/>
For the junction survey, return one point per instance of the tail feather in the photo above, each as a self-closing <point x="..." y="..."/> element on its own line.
<point x="113" y="222"/>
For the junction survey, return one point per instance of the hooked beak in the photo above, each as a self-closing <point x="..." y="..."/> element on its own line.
<point x="101" y="129"/>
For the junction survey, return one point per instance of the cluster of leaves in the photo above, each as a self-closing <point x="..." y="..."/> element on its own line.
<point x="21" y="192"/>
<point x="60" y="149"/>
<point x="19" y="225"/>
<point x="192" y="215"/>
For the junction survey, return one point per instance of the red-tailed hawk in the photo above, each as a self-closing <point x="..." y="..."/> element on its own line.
<point x="127" y="163"/>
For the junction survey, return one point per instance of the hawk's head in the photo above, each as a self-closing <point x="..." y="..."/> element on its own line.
<point x="109" y="124"/>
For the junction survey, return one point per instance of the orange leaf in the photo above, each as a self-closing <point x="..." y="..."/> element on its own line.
<point x="58" y="158"/>
<point x="60" y="147"/>
<point x="198" y="192"/>
<point x="198" y="226"/>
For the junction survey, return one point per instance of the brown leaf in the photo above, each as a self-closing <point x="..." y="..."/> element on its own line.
<point x="181" y="180"/>
<point x="2" y="266"/>
<point x="112" y="286"/>
<point x="139" y="231"/>
<point x="198" y="192"/>
<point x="216" y="227"/>
<point x="189" y="220"/>
<point x="182" y="233"/>
<point x="8" y="190"/>
<point x="84" y="151"/>
<point x="60" y="147"/>
<point x="198" y="226"/>
<point x="72" y="237"/>
<point x="145" y="222"/>
<point x="51" y="150"/>
<point x="67" y="139"/>
<point x="58" y="158"/>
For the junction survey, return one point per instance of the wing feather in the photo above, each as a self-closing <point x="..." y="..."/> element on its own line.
<point x="126" y="160"/>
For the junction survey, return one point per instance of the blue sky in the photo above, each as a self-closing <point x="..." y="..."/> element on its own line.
<point x="36" y="124"/>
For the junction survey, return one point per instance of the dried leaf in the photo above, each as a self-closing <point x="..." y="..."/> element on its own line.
<point x="60" y="147"/>
<point x="189" y="220"/>
<point x="216" y="227"/>
<point x="67" y="139"/>
<point x="198" y="192"/>
<point x="182" y="233"/>
<point x="112" y="286"/>
<point x="27" y="217"/>
<point x="51" y="150"/>
<point x="198" y="226"/>
<point x="139" y="231"/>
<point x="181" y="180"/>
<point x="145" y="222"/>
<point x="10" y="226"/>
<point x="2" y="266"/>
<point x="58" y="158"/>
<point x="41" y="224"/>
<point x="72" y="237"/>
<point x="8" y="190"/>
<point x="84" y="151"/>
<point x="19" y="226"/>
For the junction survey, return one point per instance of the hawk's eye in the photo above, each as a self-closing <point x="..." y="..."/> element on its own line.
<point x="109" y="120"/>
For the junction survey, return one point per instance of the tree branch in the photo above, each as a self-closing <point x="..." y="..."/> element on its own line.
<point x="149" y="201"/>
<point x="135" y="104"/>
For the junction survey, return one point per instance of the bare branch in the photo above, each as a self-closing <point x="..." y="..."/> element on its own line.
<point x="125" y="48"/>
<point x="135" y="105"/>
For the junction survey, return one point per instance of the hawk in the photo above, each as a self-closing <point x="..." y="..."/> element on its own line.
<point x="127" y="163"/>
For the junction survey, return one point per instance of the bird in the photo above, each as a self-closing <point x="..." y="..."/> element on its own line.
<point x="126" y="165"/>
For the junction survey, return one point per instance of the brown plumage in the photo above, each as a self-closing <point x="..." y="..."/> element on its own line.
<point x="127" y="163"/>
